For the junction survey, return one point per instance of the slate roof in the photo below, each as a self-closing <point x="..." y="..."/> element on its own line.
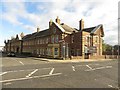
<point x="88" y="29"/>
<point x="36" y="34"/>
<point x="68" y="28"/>
<point x="42" y="33"/>
<point x="93" y="29"/>
<point x="27" y="36"/>
<point x="64" y="28"/>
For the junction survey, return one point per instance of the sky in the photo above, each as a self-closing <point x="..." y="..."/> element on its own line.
<point x="25" y="16"/>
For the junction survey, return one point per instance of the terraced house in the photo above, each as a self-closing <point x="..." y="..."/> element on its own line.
<point x="63" y="41"/>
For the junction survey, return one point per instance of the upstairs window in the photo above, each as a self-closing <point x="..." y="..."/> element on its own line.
<point x="96" y="39"/>
<point x="72" y="39"/>
<point x="56" y="39"/>
<point x="52" y="39"/>
<point x="46" y="40"/>
<point x="54" y="31"/>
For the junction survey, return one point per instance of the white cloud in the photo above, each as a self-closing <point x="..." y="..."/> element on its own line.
<point x="70" y="12"/>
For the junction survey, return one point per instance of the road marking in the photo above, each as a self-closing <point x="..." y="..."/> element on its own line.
<point x="32" y="73"/>
<point x="94" y="64"/>
<point x="99" y="68"/>
<point x="26" y="70"/>
<point x="89" y="67"/>
<point x="7" y="83"/>
<point x="3" y="73"/>
<point x="26" y="78"/>
<point x="79" y="65"/>
<point x="21" y="62"/>
<point x="108" y="66"/>
<point x="51" y="71"/>
<point x="73" y="68"/>
<point x="110" y="85"/>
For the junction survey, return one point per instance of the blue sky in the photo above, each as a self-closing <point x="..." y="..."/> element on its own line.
<point x="18" y="16"/>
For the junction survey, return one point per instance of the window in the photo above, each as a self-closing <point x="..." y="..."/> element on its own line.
<point x="43" y="52"/>
<point x="56" y="51"/>
<point x="46" y="40"/>
<point x="72" y="39"/>
<point x="54" y="30"/>
<point x="43" y="41"/>
<point x="52" y="39"/>
<point x="38" y="41"/>
<point x="88" y="39"/>
<point x="96" y="39"/>
<point x="56" y="39"/>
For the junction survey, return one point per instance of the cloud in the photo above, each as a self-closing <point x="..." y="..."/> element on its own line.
<point x="70" y="12"/>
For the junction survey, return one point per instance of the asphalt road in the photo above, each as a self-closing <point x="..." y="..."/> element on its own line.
<point x="32" y="73"/>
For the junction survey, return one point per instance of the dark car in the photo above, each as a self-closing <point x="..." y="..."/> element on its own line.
<point x="11" y="54"/>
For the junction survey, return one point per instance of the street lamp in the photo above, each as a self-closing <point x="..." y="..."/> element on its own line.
<point x="118" y="39"/>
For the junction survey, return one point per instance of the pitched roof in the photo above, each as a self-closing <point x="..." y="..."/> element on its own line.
<point x="36" y="34"/>
<point x="42" y="33"/>
<point x="26" y="36"/>
<point x="88" y="29"/>
<point x="59" y="26"/>
<point x="68" y="28"/>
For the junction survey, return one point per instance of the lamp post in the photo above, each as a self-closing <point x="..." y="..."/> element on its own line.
<point x="118" y="39"/>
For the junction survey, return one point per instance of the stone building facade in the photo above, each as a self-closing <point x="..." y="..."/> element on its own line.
<point x="60" y="41"/>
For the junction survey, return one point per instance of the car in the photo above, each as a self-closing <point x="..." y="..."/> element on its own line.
<point x="11" y="54"/>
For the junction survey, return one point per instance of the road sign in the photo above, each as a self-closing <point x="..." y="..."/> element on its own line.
<point x="93" y="49"/>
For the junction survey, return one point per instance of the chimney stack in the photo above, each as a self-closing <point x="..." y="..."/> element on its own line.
<point x="57" y="20"/>
<point x="38" y="29"/>
<point x="81" y="24"/>
<point x="5" y="42"/>
<point x="50" y="22"/>
<point x="22" y="35"/>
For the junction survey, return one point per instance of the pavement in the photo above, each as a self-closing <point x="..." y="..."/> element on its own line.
<point x="72" y="60"/>
<point x="50" y="73"/>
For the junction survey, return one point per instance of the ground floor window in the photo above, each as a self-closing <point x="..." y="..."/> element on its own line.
<point x="56" y="51"/>
<point x="49" y="51"/>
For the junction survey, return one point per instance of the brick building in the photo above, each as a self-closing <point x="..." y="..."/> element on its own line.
<point x="61" y="41"/>
<point x="14" y="45"/>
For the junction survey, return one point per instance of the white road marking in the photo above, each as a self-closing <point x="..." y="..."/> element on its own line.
<point x="3" y="73"/>
<point x="32" y="73"/>
<point x="108" y="66"/>
<point x="7" y="83"/>
<point x="26" y="78"/>
<point x="51" y="71"/>
<point x="26" y="70"/>
<point x="94" y="64"/>
<point x="73" y="68"/>
<point x="21" y="62"/>
<point x="88" y="64"/>
<point x="99" y="68"/>
<point x="80" y="65"/>
<point x="89" y="67"/>
<point x="110" y="85"/>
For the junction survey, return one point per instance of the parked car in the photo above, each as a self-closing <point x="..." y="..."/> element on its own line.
<point x="11" y="54"/>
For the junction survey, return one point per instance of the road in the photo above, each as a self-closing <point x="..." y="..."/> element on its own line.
<point x="32" y="73"/>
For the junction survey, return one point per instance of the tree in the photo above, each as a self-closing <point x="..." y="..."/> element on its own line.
<point x="107" y="49"/>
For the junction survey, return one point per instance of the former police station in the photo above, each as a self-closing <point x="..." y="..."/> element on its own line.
<point x="60" y="41"/>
